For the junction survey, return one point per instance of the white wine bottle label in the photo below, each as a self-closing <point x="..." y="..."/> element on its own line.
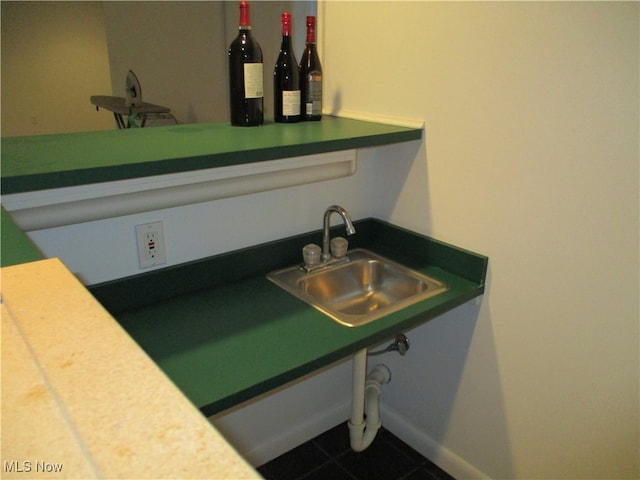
<point x="291" y="102"/>
<point x="253" y="80"/>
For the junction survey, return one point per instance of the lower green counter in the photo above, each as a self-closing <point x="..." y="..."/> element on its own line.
<point x="16" y="246"/>
<point x="224" y="334"/>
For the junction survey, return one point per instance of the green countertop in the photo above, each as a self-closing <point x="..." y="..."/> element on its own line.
<point x="16" y="247"/>
<point x="224" y="333"/>
<point x="53" y="161"/>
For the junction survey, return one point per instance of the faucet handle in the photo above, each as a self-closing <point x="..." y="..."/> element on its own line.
<point x="311" y="254"/>
<point x="339" y="246"/>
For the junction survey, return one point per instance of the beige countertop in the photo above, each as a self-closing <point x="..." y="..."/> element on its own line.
<point x="80" y="399"/>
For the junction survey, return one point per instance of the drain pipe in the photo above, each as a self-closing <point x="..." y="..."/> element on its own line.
<point x="366" y="399"/>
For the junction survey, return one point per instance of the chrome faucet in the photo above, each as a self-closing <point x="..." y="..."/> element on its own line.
<point x="326" y="251"/>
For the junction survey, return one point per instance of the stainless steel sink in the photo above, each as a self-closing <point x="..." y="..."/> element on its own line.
<point x="360" y="291"/>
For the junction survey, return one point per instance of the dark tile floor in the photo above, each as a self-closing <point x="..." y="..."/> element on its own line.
<point x="329" y="457"/>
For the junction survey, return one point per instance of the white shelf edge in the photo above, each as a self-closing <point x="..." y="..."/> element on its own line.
<point x="378" y="118"/>
<point x="70" y="205"/>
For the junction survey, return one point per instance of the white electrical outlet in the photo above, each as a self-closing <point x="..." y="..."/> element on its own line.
<point x="151" y="249"/>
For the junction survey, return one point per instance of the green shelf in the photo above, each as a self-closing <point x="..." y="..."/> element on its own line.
<point x="54" y="161"/>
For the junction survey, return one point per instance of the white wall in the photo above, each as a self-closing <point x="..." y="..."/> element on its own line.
<point x="531" y="157"/>
<point x="54" y="57"/>
<point x="176" y="50"/>
<point x="266" y="427"/>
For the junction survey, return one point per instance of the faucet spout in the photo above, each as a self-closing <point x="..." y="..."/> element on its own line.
<point x="326" y="252"/>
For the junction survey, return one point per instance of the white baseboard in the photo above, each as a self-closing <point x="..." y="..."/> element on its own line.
<point x="450" y="462"/>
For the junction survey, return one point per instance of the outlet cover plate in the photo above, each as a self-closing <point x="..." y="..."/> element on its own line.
<point x="151" y="249"/>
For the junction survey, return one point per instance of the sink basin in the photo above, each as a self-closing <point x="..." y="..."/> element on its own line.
<point x="360" y="291"/>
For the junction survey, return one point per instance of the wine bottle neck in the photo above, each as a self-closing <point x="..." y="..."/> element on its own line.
<point x="311" y="36"/>
<point x="245" y="24"/>
<point x="311" y="29"/>
<point x="285" y="46"/>
<point x="286" y="24"/>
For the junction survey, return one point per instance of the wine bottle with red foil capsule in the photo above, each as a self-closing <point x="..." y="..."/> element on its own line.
<point x="311" y="76"/>
<point x="286" y="79"/>
<point x="246" y="92"/>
